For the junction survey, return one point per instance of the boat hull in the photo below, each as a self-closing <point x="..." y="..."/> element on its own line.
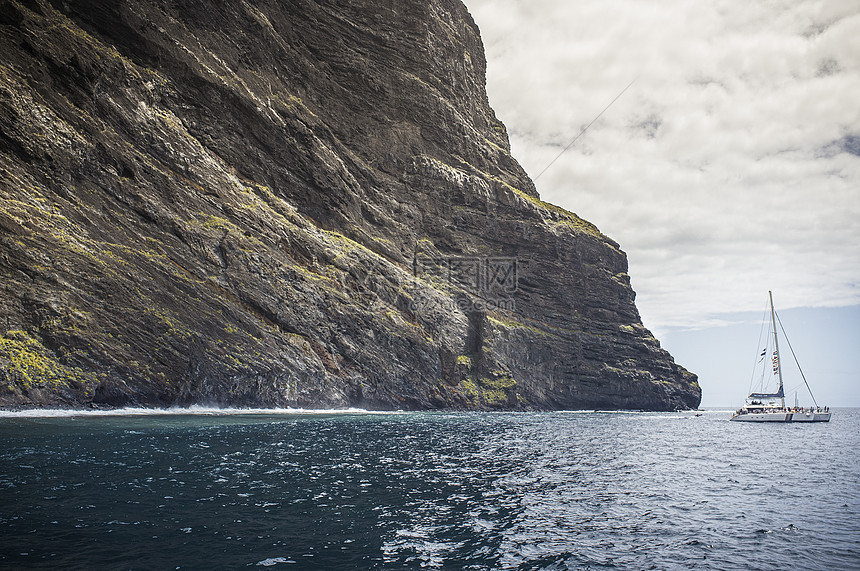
<point x="763" y="417"/>
<point x="782" y="417"/>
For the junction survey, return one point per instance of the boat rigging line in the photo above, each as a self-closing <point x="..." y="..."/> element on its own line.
<point x="761" y="334"/>
<point x="778" y="320"/>
<point x="584" y="129"/>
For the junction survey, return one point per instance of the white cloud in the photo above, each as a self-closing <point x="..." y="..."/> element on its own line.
<point x="729" y="167"/>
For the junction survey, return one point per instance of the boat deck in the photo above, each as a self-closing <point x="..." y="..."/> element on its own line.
<point x="782" y="416"/>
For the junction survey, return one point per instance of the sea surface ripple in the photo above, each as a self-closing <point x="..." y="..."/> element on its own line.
<point x="353" y="490"/>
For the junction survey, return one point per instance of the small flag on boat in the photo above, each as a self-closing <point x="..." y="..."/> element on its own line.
<point x="763" y="353"/>
<point x="775" y="363"/>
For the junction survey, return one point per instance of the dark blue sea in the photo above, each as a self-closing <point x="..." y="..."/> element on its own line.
<point x="355" y="490"/>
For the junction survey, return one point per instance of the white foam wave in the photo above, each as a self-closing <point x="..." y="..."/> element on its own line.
<point x="593" y="411"/>
<point x="180" y="411"/>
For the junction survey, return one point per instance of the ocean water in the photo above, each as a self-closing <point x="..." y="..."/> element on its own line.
<point x="355" y="490"/>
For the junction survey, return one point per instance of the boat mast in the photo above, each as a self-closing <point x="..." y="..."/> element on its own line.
<point x="776" y="346"/>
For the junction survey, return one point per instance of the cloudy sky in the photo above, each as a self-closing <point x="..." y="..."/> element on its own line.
<point x="729" y="167"/>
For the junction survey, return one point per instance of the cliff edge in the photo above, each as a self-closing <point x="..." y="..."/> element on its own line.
<point x="295" y="203"/>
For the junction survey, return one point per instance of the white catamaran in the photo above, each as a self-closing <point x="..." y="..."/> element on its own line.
<point x="770" y="407"/>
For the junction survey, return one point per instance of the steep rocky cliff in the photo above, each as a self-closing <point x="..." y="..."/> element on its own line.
<point x="297" y="203"/>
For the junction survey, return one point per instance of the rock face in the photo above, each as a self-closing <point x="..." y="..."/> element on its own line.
<point x="293" y="203"/>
